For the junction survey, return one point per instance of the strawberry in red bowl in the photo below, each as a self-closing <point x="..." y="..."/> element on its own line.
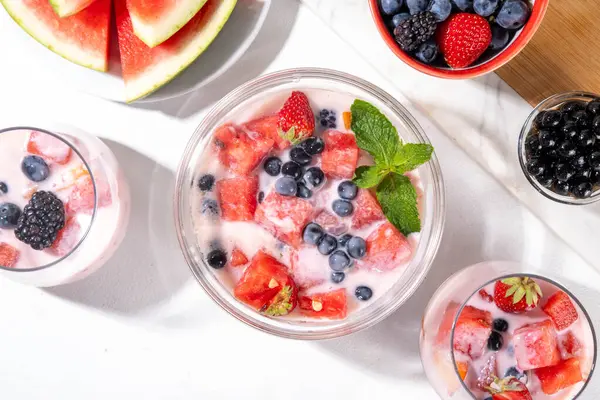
<point x="457" y="39"/>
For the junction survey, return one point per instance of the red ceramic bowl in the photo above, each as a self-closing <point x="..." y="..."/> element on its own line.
<point x="519" y="41"/>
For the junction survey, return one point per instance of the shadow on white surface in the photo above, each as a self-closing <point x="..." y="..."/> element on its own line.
<point x="265" y="48"/>
<point x="148" y="268"/>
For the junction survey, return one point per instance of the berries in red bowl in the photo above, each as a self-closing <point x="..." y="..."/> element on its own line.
<point x="457" y="39"/>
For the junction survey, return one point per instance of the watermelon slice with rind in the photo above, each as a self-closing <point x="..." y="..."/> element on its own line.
<point x="155" y="21"/>
<point x="146" y="69"/>
<point x="65" y="8"/>
<point x="81" y="38"/>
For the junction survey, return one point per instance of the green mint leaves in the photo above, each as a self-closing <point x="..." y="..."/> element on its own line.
<point x="376" y="135"/>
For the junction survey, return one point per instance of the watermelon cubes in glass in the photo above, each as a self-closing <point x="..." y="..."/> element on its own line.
<point x="536" y="345"/>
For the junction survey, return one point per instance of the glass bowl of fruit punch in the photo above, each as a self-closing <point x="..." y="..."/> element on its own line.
<point x="309" y="204"/>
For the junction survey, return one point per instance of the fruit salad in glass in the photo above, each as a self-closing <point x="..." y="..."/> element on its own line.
<point x="64" y="205"/>
<point x="304" y="205"/>
<point x="519" y="336"/>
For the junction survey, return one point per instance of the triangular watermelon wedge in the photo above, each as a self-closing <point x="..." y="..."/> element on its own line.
<point x="65" y="8"/>
<point x="81" y="38"/>
<point x="155" y="21"/>
<point x="146" y="69"/>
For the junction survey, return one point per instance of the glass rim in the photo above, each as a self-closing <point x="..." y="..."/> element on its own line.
<point x="540" y="277"/>
<point x="93" y="218"/>
<point x="255" y="87"/>
<point x="543" y="106"/>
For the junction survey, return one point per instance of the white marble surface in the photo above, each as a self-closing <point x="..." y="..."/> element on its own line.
<point x="142" y="328"/>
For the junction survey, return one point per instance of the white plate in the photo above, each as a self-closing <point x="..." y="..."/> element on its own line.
<point x="21" y="51"/>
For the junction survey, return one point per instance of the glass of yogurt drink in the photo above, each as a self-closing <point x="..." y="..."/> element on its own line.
<point x="64" y="205"/>
<point x="274" y="227"/>
<point x="495" y="331"/>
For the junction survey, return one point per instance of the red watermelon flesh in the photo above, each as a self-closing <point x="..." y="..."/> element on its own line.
<point x="81" y="38"/>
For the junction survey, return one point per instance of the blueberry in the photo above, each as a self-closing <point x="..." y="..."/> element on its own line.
<point x="569" y="130"/>
<point x="581" y="119"/>
<point x="583" y="173"/>
<point x="596" y="125"/>
<point x="399" y="18"/>
<point x="286" y="186"/>
<point x="564" y="171"/>
<point x="337" y="277"/>
<point x="324" y="113"/>
<point x="532" y="145"/>
<point x="500" y="325"/>
<point x="314" y="177"/>
<point x="547" y="139"/>
<point x="261" y="196"/>
<point x="535" y="167"/>
<point x="567" y="149"/>
<point x="594" y="160"/>
<point x="312" y="234"/>
<point x="357" y="247"/>
<point x="593" y="108"/>
<point x="313" y="146"/>
<point x="550" y="119"/>
<point x="463" y="5"/>
<point x="210" y="207"/>
<point x="347" y="190"/>
<point x="582" y="190"/>
<point x="495" y="341"/>
<point x="513" y="14"/>
<point x="485" y="8"/>
<point x="595" y="178"/>
<point x="572" y="106"/>
<point x="441" y="9"/>
<point x="206" y="182"/>
<point x="339" y="261"/>
<point x="9" y="215"/>
<point x="343" y="208"/>
<point x="363" y="293"/>
<point x="416" y="6"/>
<point x="579" y="162"/>
<point x="343" y="240"/>
<point x="272" y="166"/>
<point x="513" y="371"/>
<point x="500" y="38"/>
<point x="216" y="259"/>
<point x="35" y="168"/>
<point x="3" y="188"/>
<point x="563" y="188"/>
<point x="391" y="7"/>
<point x="427" y="52"/>
<point x="300" y="156"/>
<point x="303" y="192"/>
<point x="546" y="179"/>
<point x="586" y="139"/>
<point x="327" y="245"/>
<point x="292" y="169"/>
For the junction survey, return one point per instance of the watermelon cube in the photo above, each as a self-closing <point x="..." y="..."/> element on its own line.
<point x="238" y="258"/>
<point x="536" y="345"/>
<point x="8" y="255"/>
<point x="50" y="148"/>
<point x="66" y="239"/>
<point x="81" y="198"/>
<point x="561" y="310"/>
<point x="558" y="377"/>
<point x="237" y="197"/>
<point x="304" y="270"/>
<point x="340" y="156"/>
<point x="284" y="217"/>
<point x="472" y="330"/>
<point x="387" y="249"/>
<point x="331" y="223"/>
<point x="268" y="127"/>
<point x="366" y="209"/>
<point x="239" y="150"/>
<point x="569" y="346"/>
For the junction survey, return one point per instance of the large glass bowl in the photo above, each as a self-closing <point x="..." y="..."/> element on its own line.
<point x="432" y="218"/>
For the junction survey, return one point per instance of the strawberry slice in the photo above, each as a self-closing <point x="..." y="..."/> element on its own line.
<point x="81" y="198"/>
<point x="560" y="376"/>
<point x="517" y="294"/>
<point x="509" y="388"/>
<point x="8" y="255"/>
<point x="66" y="239"/>
<point x="296" y="118"/>
<point x="485" y="296"/>
<point x="463" y="38"/>
<point x="561" y="310"/>
<point x="332" y="305"/>
<point x="266" y="286"/>
<point x="48" y="147"/>
<point x="237" y="197"/>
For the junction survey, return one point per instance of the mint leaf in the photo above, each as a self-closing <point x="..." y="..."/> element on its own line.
<point x="367" y="176"/>
<point x="410" y="155"/>
<point x="374" y="133"/>
<point x="398" y="200"/>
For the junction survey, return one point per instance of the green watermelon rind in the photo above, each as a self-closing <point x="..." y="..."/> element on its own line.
<point x="136" y="89"/>
<point x="182" y="15"/>
<point x="47" y="38"/>
<point x="59" y="7"/>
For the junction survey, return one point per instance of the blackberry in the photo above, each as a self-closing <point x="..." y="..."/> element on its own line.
<point x="415" y="31"/>
<point x="40" y="221"/>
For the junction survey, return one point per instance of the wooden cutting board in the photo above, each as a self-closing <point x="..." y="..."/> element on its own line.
<point x="564" y="54"/>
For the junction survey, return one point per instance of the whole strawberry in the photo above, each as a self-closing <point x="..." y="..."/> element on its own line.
<point x="517" y="294"/>
<point x="509" y="388"/>
<point x="296" y="119"/>
<point x="463" y="38"/>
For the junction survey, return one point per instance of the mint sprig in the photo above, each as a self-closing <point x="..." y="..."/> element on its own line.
<point x="397" y="196"/>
